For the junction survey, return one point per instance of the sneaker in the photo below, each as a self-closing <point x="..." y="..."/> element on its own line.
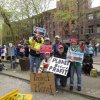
<point x="57" y="91"/>
<point x="71" y="88"/>
<point x="79" y="88"/>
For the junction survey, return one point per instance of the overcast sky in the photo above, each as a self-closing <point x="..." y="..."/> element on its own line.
<point x="94" y="4"/>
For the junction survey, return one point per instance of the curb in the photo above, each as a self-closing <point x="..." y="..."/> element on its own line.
<point x="81" y="94"/>
<point x="66" y="90"/>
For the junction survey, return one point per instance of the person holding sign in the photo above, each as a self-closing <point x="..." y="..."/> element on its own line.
<point x="46" y="47"/>
<point x="60" y="79"/>
<point x="74" y="65"/>
<point x="45" y="63"/>
<point x="35" y="44"/>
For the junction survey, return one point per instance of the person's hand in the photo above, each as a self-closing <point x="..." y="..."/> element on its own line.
<point x="39" y="72"/>
<point x="72" y="59"/>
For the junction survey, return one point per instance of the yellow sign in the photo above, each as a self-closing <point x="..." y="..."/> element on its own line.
<point x="15" y="95"/>
<point x="24" y="97"/>
<point x="10" y="96"/>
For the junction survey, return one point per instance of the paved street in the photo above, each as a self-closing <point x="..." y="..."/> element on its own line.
<point x="90" y="85"/>
<point x="8" y="84"/>
<point x="97" y="58"/>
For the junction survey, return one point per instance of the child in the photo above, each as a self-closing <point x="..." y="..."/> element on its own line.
<point x="87" y="64"/>
<point x="45" y="62"/>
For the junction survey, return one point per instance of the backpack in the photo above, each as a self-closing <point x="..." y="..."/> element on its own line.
<point x="94" y="73"/>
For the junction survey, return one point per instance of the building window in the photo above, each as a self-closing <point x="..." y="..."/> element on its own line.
<point x="90" y="16"/>
<point x="91" y="30"/>
<point x="98" y="15"/>
<point x="98" y="28"/>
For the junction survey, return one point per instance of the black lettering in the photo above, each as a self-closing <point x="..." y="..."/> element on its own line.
<point x="54" y="69"/>
<point x="50" y="67"/>
<point x="54" y="60"/>
<point x="57" y="70"/>
<point x="66" y="71"/>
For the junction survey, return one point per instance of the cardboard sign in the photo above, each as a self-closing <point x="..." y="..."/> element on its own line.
<point x="59" y="66"/>
<point x="46" y="48"/>
<point x="10" y="96"/>
<point x="24" y="97"/>
<point x="75" y="56"/>
<point x="43" y="82"/>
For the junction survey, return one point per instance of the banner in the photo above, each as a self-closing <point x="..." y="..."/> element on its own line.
<point x="46" y="48"/>
<point x="44" y="82"/>
<point x="59" y="66"/>
<point x="75" y="56"/>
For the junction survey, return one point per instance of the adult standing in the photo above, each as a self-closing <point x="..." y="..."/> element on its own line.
<point x="26" y="50"/>
<point x="34" y="56"/>
<point x="3" y="52"/>
<point x="82" y="47"/>
<point x="75" y="65"/>
<point x="46" y="43"/>
<point x="57" y="43"/>
<point x="91" y="50"/>
<point x="11" y="55"/>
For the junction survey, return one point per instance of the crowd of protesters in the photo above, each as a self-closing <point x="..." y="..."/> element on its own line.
<point x="39" y="61"/>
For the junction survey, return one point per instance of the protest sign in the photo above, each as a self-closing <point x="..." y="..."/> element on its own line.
<point x="43" y="82"/>
<point x="46" y="48"/>
<point x="75" y="56"/>
<point x="41" y="30"/>
<point x="59" y="66"/>
<point x="10" y="96"/>
<point x="15" y="95"/>
<point x="24" y="96"/>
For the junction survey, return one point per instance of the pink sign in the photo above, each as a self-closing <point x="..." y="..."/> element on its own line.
<point x="46" y="48"/>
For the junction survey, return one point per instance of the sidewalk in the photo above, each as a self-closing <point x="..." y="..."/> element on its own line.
<point x="90" y="86"/>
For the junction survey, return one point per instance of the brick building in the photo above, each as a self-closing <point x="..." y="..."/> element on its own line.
<point x="46" y="20"/>
<point x="93" y="24"/>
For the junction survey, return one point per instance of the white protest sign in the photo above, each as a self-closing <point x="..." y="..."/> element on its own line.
<point x="40" y="29"/>
<point x="59" y="66"/>
<point x="75" y="56"/>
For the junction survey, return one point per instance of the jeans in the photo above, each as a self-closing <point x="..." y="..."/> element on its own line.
<point x="60" y="81"/>
<point x="34" y="63"/>
<point x="13" y="64"/>
<point x="78" y="71"/>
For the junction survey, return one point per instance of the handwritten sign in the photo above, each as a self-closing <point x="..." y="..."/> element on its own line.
<point x="75" y="56"/>
<point x="43" y="82"/>
<point x="46" y="48"/>
<point x="10" y="96"/>
<point x="58" y="66"/>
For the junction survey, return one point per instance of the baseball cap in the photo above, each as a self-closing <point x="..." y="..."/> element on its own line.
<point x="47" y="53"/>
<point x="60" y="46"/>
<point x="73" y="40"/>
<point x="57" y="36"/>
<point x="47" y="39"/>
